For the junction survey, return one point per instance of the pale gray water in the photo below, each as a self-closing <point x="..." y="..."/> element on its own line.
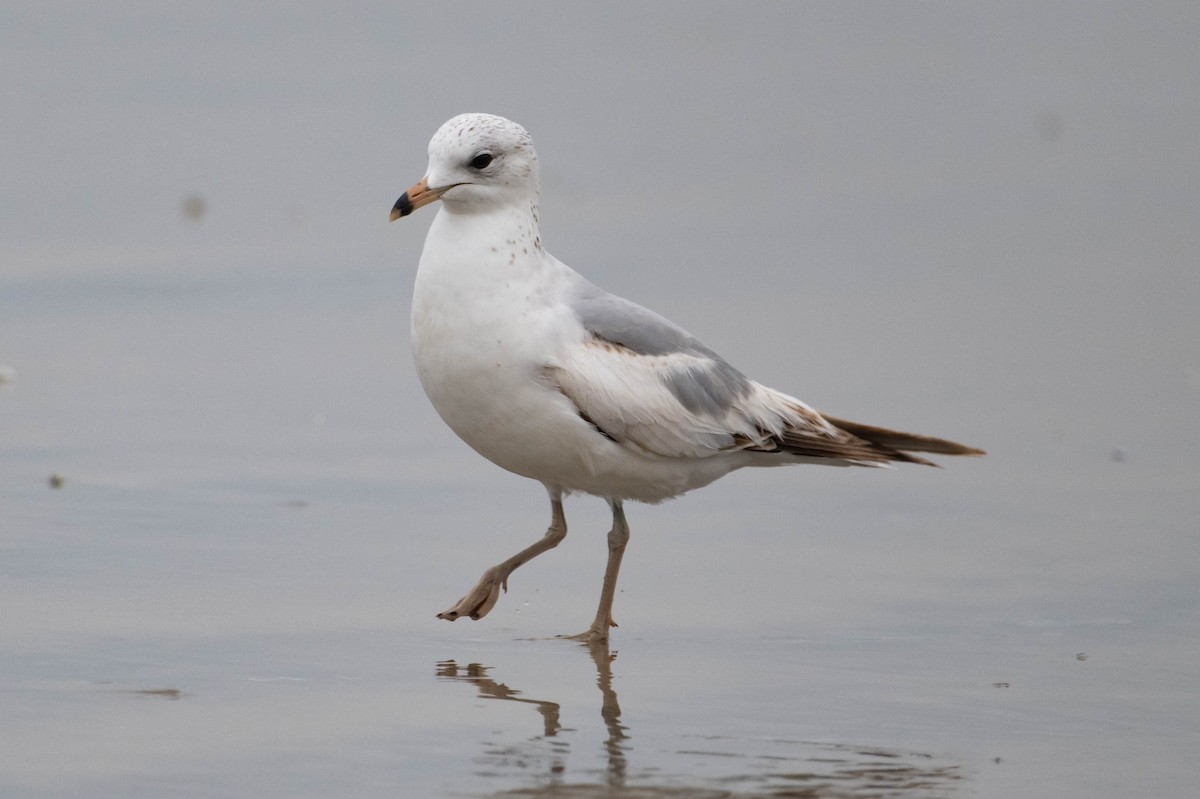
<point x="974" y="223"/>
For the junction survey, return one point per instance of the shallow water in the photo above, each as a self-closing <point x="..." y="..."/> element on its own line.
<point x="231" y="591"/>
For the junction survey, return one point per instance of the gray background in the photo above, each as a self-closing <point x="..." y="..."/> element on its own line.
<point x="976" y="221"/>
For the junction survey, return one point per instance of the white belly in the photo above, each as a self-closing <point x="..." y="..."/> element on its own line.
<point x="476" y="346"/>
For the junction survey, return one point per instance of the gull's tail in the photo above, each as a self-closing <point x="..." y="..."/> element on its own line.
<point x="896" y="443"/>
<point x="813" y="437"/>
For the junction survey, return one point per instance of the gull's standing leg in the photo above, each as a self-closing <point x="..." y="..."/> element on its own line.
<point x="482" y="598"/>
<point x="618" y="537"/>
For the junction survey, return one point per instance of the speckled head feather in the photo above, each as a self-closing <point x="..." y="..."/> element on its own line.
<point x="479" y="161"/>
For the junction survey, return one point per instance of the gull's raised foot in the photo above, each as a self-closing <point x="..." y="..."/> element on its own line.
<point x="479" y="600"/>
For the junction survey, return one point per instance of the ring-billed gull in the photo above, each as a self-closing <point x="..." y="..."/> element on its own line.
<point x="552" y="378"/>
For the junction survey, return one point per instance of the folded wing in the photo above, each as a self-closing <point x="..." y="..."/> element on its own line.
<point x="644" y="382"/>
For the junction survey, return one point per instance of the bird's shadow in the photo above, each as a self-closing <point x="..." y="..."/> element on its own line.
<point x="814" y="770"/>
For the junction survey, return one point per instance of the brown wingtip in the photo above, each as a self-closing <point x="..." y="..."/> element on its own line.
<point x="904" y="442"/>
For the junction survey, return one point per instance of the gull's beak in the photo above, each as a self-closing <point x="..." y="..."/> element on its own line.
<point x="418" y="196"/>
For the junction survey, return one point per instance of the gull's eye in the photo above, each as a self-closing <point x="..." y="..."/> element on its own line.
<point x="481" y="161"/>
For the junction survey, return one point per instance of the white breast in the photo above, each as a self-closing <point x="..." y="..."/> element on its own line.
<point x="479" y="329"/>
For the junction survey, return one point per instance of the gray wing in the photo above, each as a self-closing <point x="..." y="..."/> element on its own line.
<point x="640" y="378"/>
<point x="702" y="381"/>
<point x="643" y="381"/>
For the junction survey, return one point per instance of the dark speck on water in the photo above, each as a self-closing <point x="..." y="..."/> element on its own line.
<point x="162" y="693"/>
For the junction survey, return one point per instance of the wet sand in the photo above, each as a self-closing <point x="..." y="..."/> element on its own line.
<point x="233" y="593"/>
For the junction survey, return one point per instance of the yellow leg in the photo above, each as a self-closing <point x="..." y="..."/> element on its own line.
<point x="482" y="598"/>
<point x="618" y="537"/>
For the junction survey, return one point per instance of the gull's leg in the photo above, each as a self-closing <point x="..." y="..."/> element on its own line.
<point x="618" y="537"/>
<point x="482" y="598"/>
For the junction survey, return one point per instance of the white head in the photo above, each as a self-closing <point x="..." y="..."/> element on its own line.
<point x="477" y="162"/>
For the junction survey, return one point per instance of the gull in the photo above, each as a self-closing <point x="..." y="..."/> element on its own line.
<point x="552" y="378"/>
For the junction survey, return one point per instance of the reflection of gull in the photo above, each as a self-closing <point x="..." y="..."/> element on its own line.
<point x="555" y="379"/>
<point x="477" y="675"/>
<point x="765" y="767"/>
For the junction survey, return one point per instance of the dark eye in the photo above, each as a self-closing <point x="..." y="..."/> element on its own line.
<point x="481" y="161"/>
